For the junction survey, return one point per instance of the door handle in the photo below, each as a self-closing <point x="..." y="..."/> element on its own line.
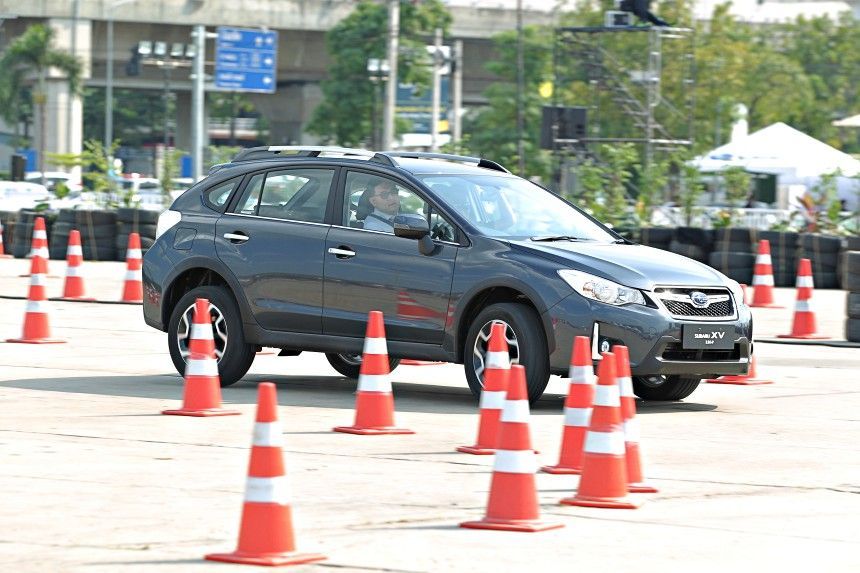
<point x="341" y="252"/>
<point x="236" y="237"/>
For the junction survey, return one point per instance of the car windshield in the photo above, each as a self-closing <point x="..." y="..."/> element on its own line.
<point x="513" y="208"/>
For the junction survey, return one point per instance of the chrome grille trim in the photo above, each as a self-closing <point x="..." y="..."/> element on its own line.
<point x="676" y="301"/>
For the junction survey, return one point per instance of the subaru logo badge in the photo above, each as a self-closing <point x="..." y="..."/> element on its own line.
<point x="699" y="299"/>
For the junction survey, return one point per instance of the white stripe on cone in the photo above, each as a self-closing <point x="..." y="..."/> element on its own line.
<point x="75" y="250"/>
<point x="515" y="462"/>
<point x="38" y="280"/>
<point x="375" y="346"/>
<point x="763" y="280"/>
<point x="374" y="383"/>
<point x="37" y="307"/>
<point x="631" y="431"/>
<point x="581" y="375"/>
<point x="134" y="275"/>
<point x="497" y="360"/>
<point x="803" y="306"/>
<point x="40" y="235"/>
<point x="492" y="400"/>
<point x="132" y="254"/>
<point x="74" y="271"/>
<point x="804" y="282"/>
<point x="205" y="367"/>
<point x="268" y="434"/>
<point x="763" y="260"/>
<point x="578" y="417"/>
<point x="41" y="252"/>
<point x="604" y="443"/>
<point x="626" y="385"/>
<point x="201" y="331"/>
<point x="515" y="411"/>
<point x="606" y="396"/>
<point x="268" y="490"/>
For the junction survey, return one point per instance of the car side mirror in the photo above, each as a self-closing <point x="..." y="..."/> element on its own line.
<point x="412" y="226"/>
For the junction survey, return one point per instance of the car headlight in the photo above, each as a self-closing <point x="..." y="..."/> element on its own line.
<point x="737" y="291"/>
<point x="600" y="289"/>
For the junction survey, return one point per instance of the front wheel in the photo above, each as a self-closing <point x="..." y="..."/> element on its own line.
<point x="234" y="355"/>
<point x="526" y="346"/>
<point x="350" y="364"/>
<point x="664" y="387"/>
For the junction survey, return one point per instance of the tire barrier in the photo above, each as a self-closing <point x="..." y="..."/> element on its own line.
<point x="737" y="266"/>
<point x="783" y="253"/>
<point x="97" y="229"/>
<point x="851" y="282"/>
<point x="7" y="221"/>
<point x="140" y="221"/>
<point x="735" y="240"/>
<point x="23" y="233"/>
<point x="823" y="251"/>
<point x="656" y="237"/>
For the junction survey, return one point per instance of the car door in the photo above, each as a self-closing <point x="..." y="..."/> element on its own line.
<point x="273" y="240"/>
<point x="369" y="269"/>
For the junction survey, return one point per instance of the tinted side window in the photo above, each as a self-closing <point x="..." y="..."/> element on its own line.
<point x="247" y="204"/>
<point x="217" y="196"/>
<point x="296" y="194"/>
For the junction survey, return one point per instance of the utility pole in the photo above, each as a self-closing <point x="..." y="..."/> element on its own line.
<point x="76" y="12"/>
<point x="437" y="89"/>
<point x="391" y="88"/>
<point x="197" y="101"/>
<point x="521" y="152"/>
<point x="457" y="88"/>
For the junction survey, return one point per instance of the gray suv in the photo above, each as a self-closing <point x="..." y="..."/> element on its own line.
<point x="294" y="245"/>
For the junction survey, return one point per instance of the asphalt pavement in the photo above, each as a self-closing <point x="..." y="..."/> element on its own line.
<point x="95" y="479"/>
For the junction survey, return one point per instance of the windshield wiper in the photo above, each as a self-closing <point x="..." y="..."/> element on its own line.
<point x="550" y="238"/>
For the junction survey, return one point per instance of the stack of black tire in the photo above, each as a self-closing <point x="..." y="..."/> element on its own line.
<point x="734" y="254"/>
<point x="851" y="283"/>
<point x="7" y="219"/>
<point x="97" y="229"/>
<point x="692" y="242"/>
<point x="657" y="237"/>
<point x="22" y="236"/>
<point x="783" y="256"/>
<point x="140" y="221"/>
<point x="823" y="251"/>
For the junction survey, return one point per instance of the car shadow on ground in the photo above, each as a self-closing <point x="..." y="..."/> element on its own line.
<point x="312" y="392"/>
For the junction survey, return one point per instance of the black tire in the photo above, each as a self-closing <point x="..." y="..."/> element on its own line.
<point x="782" y="245"/>
<point x="818" y="244"/>
<point x="694" y="252"/>
<point x="703" y="238"/>
<point x="349" y="365"/>
<point x="144" y="230"/>
<point x="852" y="262"/>
<point x="236" y="355"/>
<point x="94" y="218"/>
<point x="526" y="340"/>
<point x="654" y="236"/>
<point x="826" y="279"/>
<point x="664" y="387"/>
<point x="137" y="216"/>
<point x="96" y="232"/>
<point x="99" y="252"/>
<point x="852" y="243"/>
<point x="851" y="282"/>
<point x="852" y="329"/>
<point x="852" y="305"/>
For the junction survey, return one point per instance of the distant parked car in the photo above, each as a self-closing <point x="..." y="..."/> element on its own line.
<point x="15" y="195"/>
<point x="52" y="178"/>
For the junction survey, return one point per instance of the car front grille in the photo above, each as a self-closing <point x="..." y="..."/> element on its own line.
<point x="676" y="353"/>
<point x="679" y="303"/>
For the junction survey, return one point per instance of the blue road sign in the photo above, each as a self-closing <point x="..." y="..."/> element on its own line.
<point x="246" y="60"/>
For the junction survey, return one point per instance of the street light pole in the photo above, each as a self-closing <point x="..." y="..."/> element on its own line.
<point x="197" y="101"/>
<point x="391" y="88"/>
<point x="437" y="89"/>
<point x="109" y="74"/>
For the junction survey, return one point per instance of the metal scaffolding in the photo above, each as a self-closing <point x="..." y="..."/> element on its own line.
<point x="621" y="72"/>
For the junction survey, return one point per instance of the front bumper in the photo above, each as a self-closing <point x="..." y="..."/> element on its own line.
<point x="654" y="338"/>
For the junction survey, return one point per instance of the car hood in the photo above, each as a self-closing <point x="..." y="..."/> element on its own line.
<point x="632" y="265"/>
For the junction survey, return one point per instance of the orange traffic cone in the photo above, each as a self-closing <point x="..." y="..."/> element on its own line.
<point x="266" y="531"/>
<point x="497" y="367"/>
<point x="635" y="480"/>
<point x="604" y="471"/>
<point x="37" y="329"/>
<point x="804" y="326"/>
<point x="202" y="396"/>
<point x="39" y="243"/>
<point x="577" y="409"/>
<point x="374" y="402"/>
<point x="513" y="503"/>
<point x="3" y="254"/>
<point x="763" y="278"/>
<point x="741" y="380"/>
<point x="73" y="288"/>
<point x="133" y="290"/>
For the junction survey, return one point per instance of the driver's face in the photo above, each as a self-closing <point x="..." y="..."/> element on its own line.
<point x="385" y="198"/>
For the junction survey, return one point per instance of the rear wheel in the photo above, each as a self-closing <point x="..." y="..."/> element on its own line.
<point x="526" y="345"/>
<point x="664" y="387"/>
<point x="234" y="355"/>
<point x="350" y="364"/>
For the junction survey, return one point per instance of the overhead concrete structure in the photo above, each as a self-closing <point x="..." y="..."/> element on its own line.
<point x="302" y="58"/>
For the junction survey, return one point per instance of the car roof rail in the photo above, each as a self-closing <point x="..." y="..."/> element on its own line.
<point x="275" y="151"/>
<point x="479" y="161"/>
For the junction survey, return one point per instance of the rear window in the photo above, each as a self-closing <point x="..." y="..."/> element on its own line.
<point x="216" y="197"/>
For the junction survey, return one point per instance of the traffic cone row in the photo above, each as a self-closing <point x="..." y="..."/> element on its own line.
<point x="73" y="288"/>
<point x="763" y="277"/>
<point x="804" y="324"/>
<point x="133" y="289"/>
<point x="37" y="328"/>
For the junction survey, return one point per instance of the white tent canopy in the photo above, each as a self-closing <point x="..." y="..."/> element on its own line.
<point x="794" y="157"/>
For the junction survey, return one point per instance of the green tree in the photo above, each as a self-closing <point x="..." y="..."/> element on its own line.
<point x="652" y="183"/>
<point x="492" y="130"/>
<point x="32" y="53"/>
<point x="94" y="161"/>
<point x="346" y="115"/>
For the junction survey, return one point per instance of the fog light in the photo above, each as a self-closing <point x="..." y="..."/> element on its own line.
<point x="605" y="345"/>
